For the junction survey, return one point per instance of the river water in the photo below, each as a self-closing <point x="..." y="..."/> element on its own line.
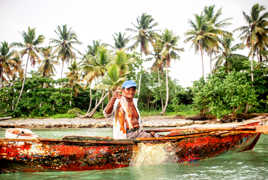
<point x="245" y="165"/>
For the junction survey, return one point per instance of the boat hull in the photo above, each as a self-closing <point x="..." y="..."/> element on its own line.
<point x="84" y="154"/>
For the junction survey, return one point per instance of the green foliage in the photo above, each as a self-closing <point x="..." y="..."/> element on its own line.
<point x="260" y="85"/>
<point x="228" y="91"/>
<point x="98" y="115"/>
<point x="65" y="115"/>
<point x="156" y="113"/>
<point x="37" y="101"/>
<point x="153" y="91"/>
<point x="76" y="111"/>
<point x="186" y="110"/>
<point x="224" y="94"/>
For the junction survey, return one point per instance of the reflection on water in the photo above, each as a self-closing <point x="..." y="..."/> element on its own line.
<point x="246" y="165"/>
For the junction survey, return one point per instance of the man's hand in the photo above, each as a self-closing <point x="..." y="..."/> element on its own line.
<point x="117" y="94"/>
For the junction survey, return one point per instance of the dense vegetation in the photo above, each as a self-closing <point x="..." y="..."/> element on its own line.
<point x="237" y="83"/>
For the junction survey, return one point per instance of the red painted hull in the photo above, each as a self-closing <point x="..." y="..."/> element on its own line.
<point x="73" y="155"/>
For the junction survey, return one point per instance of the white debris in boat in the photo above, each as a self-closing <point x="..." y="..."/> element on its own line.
<point x="20" y="133"/>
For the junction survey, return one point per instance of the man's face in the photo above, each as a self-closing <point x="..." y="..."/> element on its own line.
<point x="129" y="92"/>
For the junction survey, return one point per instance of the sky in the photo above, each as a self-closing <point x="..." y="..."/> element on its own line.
<point x="100" y="19"/>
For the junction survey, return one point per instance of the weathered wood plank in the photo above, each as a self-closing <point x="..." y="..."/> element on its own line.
<point x="5" y="118"/>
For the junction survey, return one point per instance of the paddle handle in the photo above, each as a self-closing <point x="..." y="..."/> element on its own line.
<point x="263" y="129"/>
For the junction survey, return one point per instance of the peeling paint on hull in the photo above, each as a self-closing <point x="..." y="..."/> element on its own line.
<point x="75" y="155"/>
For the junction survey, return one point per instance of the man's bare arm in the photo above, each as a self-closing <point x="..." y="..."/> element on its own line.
<point x="109" y="107"/>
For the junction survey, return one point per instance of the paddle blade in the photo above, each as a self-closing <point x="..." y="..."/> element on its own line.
<point x="262" y="129"/>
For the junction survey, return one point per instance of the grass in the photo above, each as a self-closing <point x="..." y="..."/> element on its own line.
<point x="156" y="113"/>
<point x="66" y="115"/>
<point x="188" y="113"/>
<point x="182" y="110"/>
<point x="98" y="115"/>
<point x="4" y="114"/>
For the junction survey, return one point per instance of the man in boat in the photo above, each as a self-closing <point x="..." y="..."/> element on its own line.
<point x="127" y="123"/>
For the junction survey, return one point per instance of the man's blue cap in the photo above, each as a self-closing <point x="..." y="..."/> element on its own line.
<point x="129" y="84"/>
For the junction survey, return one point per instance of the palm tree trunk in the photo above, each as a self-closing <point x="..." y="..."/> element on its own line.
<point x="210" y="65"/>
<point x="70" y="102"/>
<point x="62" y="69"/>
<point x="102" y="103"/>
<point x="90" y="100"/>
<point x="251" y="62"/>
<point x="89" y="115"/>
<point x="1" y="79"/>
<point x="140" y="78"/>
<point x="23" y="82"/>
<point x="201" y="51"/>
<point x="251" y="69"/>
<point x="159" y="81"/>
<point x="139" y="87"/>
<point x="167" y="93"/>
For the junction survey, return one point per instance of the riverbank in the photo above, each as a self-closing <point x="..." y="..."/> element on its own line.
<point x="149" y="121"/>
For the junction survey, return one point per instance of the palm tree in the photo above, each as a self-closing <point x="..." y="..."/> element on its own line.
<point x="114" y="77"/>
<point x="255" y="32"/>
<point x="47" y="67"/>
<point x="205" y="31"/>
<point x="92" y="49"/>
<point x="30" y="47"/>
<point x="120" y="40"/>
<point x="144" y="32"/>
<point x="227" y="55"/>
<point x="201" y="35"/>
<point x="64" y="44"/>
<point x="74" y="79"/>
<point x="94" y="67"/>
<point x="17" y="69"/>
<point x="212" y="18"/>
<point x="158" y="65"/>
<point x="122" y="61"/>
<point x="169" y="52"/>
<point x="88" y="60"/>
<point x="8" y="62"/>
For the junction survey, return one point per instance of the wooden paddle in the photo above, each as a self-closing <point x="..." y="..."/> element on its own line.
<point x="263" y="129"/>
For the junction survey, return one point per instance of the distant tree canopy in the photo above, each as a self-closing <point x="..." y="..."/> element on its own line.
<point x="237" y="83"/>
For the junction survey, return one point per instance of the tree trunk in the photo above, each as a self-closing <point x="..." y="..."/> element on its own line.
<point x="161" y="99"/>
<point x="70" y="102"/>
<point x="251" y="62"/>
<point x="1" y="79"/>
<point x="90" y="100"/>
<point x="102" y="103"/>
<point x="140" y="78"/>
<point x="246" y="109"/>
<point x="23" y="82"/>
<point x="89" y="115"/>
<point x="251" y="69"/>
<point x="210" y="65"/>
<point x="139" y="87"/>
<point x="167" y="93"/>
<point x="62" y="69"/>
<point x="260" y="57"/>
<point x="203" y="71"/>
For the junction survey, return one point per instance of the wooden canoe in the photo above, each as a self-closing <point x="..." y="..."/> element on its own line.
<point x="94" y="153"/>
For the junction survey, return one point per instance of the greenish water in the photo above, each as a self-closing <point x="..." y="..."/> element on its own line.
<point x="245" y="165"/>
